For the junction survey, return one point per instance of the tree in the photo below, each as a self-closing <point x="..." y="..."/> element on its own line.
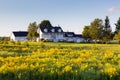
<point x="45" y="23"/>
<point x="117" y="25"/>
<point x="107" y="30"/>
<point x="107" y="26"/>
<point x="117" y="36"/>
<point x="95" y="30"/>
<point x="32" y="31"/>
<point x="86" y="33"/>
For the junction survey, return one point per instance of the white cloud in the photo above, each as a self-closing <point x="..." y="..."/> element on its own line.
<point x="113" y="9"/>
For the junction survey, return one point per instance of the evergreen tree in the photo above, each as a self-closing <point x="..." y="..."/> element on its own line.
<point x="117" y="26"/>
<point x="107" y="31"/>
<point x="107" y="27"/>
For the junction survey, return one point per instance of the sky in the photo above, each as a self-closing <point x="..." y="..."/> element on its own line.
<point x="71" y="15"/>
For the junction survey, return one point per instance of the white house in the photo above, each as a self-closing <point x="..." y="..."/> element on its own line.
<point x="56" y="34"/>
<point x="19" y="36"/>
<point x="72" y="37"/>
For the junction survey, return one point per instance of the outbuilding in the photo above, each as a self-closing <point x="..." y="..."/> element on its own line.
<point x="19" y="36"/>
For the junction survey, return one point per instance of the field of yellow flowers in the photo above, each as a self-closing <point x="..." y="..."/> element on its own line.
<point x="59" y="61"/>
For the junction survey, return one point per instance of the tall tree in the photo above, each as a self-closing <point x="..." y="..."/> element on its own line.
<point x="45" y="23"/>
<point x="96" y="28"/>
<point x="117" y="36"/>
<point x="86" y="33"/>
<point x="117" y="25"/>
<point x="107" y="26"/>
<point x="32" y="31"/>
<point x="107" y="30"/>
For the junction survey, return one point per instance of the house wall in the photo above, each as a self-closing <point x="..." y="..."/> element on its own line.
<point x="12" y="37"/>
<point x="77" y="39"/>
<point x="69" y="39"/>
<point x="52" y="36"/>
<point x="74" y="39"/>
<point x="20" y="38"/>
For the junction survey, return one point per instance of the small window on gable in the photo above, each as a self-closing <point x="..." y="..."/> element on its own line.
<point x="59" y="30"/>
<point x="53" y="30"/>
<point x="45" y="30"/>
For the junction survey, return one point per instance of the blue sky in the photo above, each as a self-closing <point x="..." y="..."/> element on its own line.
<point x="71" y="15"/>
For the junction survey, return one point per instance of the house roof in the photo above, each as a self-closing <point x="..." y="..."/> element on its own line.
<point x="20" y="33"/>
<point x="69" y="34"/>
<point x="55" y="29"/>
<point x="72" y="34"/>
<point x="78" y="35"/>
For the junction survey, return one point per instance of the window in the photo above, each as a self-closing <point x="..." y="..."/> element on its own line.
<point x="53" y="30"/>
<point x="59" y="30"/>
<point x="45" y="30"/>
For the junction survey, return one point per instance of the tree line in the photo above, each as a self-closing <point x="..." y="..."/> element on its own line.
<point x="101" y="31"/>
<point x="97" y="31"/>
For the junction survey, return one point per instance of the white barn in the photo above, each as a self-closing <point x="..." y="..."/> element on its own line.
<point x="19" y="36"/>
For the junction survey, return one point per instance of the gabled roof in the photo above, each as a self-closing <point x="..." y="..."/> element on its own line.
<point x="55" y="29"/>
<point x="20" y="33"/>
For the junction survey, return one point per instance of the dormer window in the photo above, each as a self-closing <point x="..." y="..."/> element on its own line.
<point x="59" y="30"/>
<point x="45" y="30"/>
<point x="53" y="30"/>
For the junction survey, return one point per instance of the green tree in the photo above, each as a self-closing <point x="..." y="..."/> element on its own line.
<point x="86" y="33"/>
<point x="107" y="31"/>
<point x="32" y="31"/>
<point x="107" y="26"/>
<point x="45" y="23"/>
<point x="117" y="25"/>
<point x="95" y="30"/>
<point x="117" y="36"/>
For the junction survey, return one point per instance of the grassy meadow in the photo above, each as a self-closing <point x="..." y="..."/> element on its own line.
<point x="59" y="61"/>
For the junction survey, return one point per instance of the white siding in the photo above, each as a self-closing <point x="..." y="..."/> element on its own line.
<point x="12" y="37"/>
<point x="74" y="39"/>
<point x="78" y="39"/>
<point x="52" y="36"/>
<point x="20" y="38"/>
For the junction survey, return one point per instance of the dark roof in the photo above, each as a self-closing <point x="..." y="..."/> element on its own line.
<point x="49" y="29"/>
<point x="69" y="34"/>
<point x="78" y="35"/>
<point x="72" y="34"/>
<point x="20" y="33"/>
